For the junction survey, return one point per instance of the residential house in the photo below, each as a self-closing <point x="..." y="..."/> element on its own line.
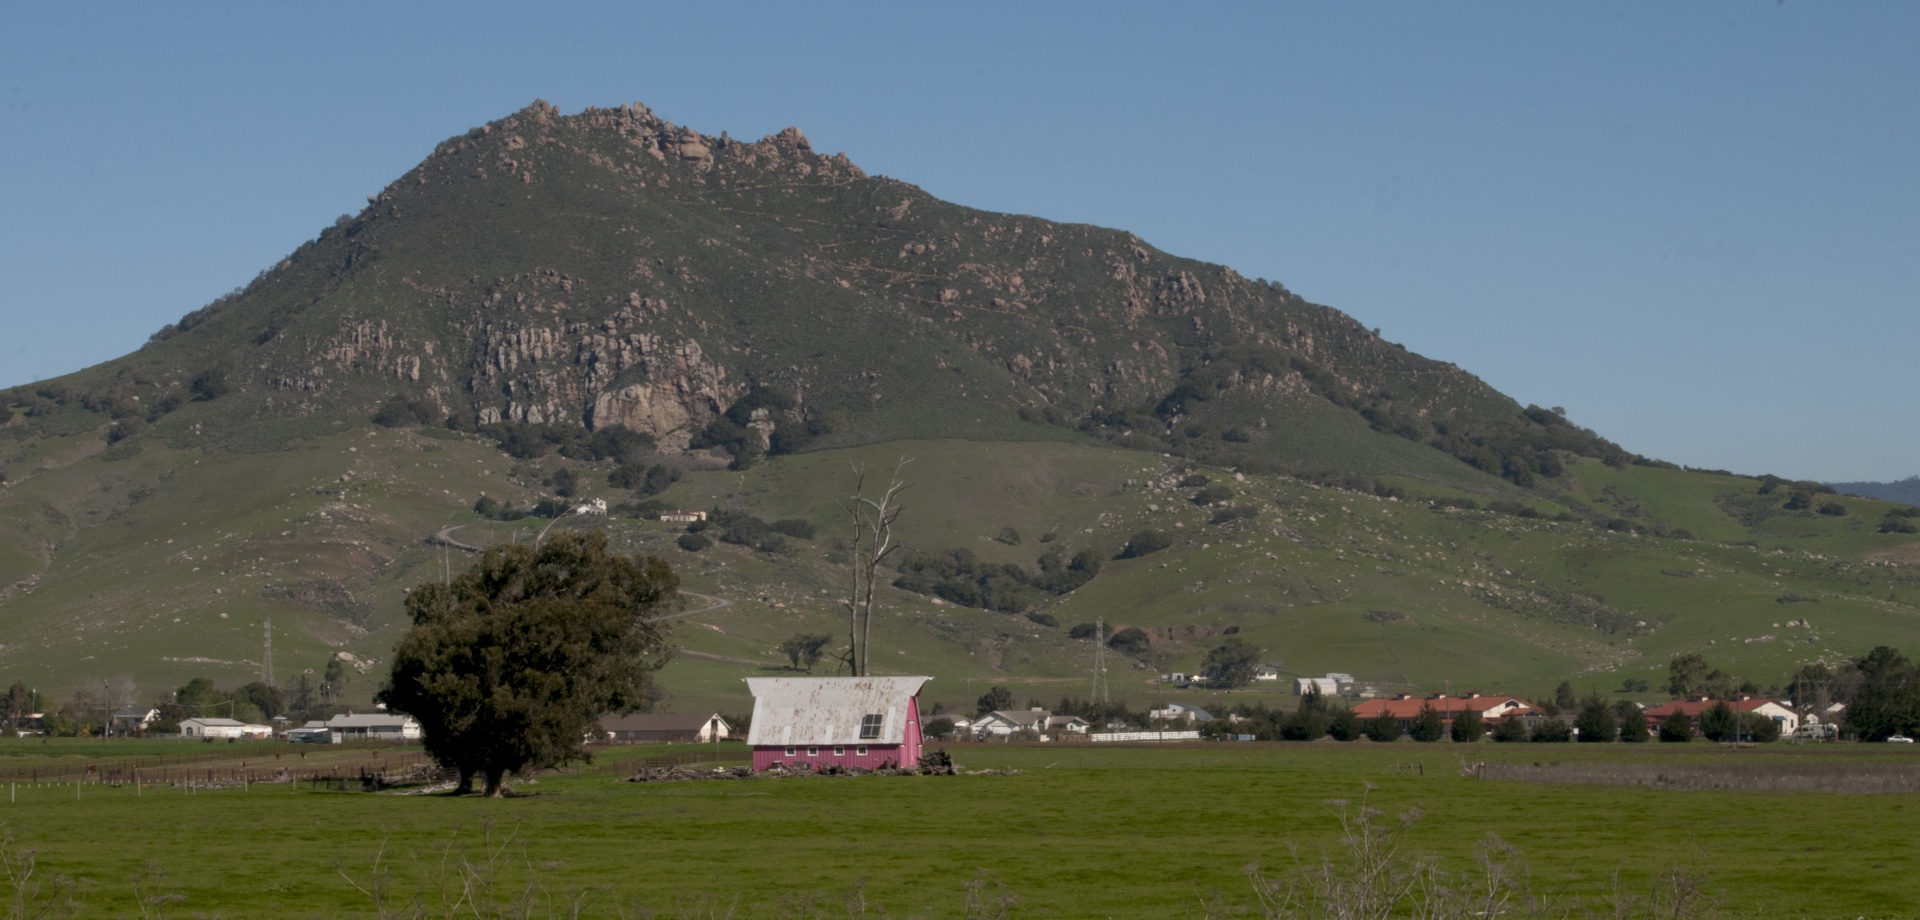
<point x="682" y="517"/>
<point x="640" y="727"/>
<point x="1782" y="714"/>
<point x="314" y="732"/>
<point x="382" y="726"/>
<point x="1071" y="724"/>
<point x="835" y="721"/>
<point x="134" y="720"/>
<point x="1176" y="712"/>
<point x="1492" y="709"/>
<point x="1266" y="672"/>
<point x="1002" y="724"/>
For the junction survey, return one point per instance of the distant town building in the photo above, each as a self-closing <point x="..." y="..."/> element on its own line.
<point x="668" y="727"/>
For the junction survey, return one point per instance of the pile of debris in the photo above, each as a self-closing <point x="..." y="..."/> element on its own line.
<point x="671" y="774"/>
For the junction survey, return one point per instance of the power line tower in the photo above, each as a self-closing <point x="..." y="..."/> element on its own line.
<point x="266" y="654"/>
<point x="1100" y="695"/>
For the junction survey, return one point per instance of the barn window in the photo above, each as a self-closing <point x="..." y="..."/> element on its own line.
<point x="789" y="750"/>
<point x="839" y="751"/>
<point x="861" y="750"/>
<point x="812" y="751"/>
<point x="870" y="726"/>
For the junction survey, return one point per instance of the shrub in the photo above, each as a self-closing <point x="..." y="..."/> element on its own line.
<point x="798" y="528"/>
<point x="1833" y="509"/>
<point x="1551" y="731"/>
<point x="643" y="480"/>
<point x="693" y="542"/>
<point x="1229" y="515"/>
<point x="1383" y="727"/>
<point x="1144" y="543"/>
<point x="1596" y="722"/>
<point x="1633" y="722"/>
<point x="1194" y="481"/>
<point x="1212" y="495"/>
<point x="1756" y="727"/>
<point x="1009" y="536"/>
<point x="400" y="412"/>
<point x="1043" y="618"/>
<point x="1082" y="631"/>
<point x="1718" y="722"/>
<point x="1510" y="730"/>
<point x="1467" y="726"/>
<point x="1130" y="641"/>
<point x="210" y="384"/>
<point x="1677" y="729"/>
<point x="1343" y="725"/>
<point x="1307" y="723"/>
<point x="1427" y="726"/>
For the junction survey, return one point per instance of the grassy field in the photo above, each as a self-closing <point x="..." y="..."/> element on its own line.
<point x="1079" y="832"/>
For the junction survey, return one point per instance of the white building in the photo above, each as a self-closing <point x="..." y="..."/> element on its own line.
<point x="373" y="727"/>
<point x="222" y="728"/>
<point x="1001" y="724"/>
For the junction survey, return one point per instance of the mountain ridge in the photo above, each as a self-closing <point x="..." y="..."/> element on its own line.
<point x="550" y="308"/>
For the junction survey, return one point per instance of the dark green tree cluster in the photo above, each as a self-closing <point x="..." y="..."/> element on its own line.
<point x="959" y="576"/>
<point x="1145" y="542"/>
<point x="401" y="412"/>
<point x="733" y="431"/>
<point x="804" y="650"/>
<point x="996" y="699"/>
<point x="1901" y="520"/>
<point x="742" y="529"/>
<point x="527" y="441"/>
<point x="1884" y="698"/>
<point x="1230" y="664"/>
<point x="1132" y="641"/>
<point x="510" y="664"/>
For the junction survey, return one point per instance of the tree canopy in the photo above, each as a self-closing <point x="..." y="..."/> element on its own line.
<point x="509" y="663"/>
<point x="1231" y="664"/>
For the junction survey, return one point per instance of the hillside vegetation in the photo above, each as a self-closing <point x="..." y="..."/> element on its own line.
<point x="551" y="309"/>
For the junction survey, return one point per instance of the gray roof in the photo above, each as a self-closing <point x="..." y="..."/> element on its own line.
<point x="222" y="723"/>
<point x="369" y="720"/>
<point x="1025" y="718"/>
<point x="828" y="710"/>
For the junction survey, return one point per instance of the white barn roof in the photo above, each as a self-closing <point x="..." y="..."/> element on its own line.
<point x="829" y="710"/>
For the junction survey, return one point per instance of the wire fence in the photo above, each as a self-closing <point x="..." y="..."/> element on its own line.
<point x="224" y="768"/>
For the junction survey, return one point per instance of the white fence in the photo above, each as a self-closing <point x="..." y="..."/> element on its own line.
<point x="1145" y="736"/>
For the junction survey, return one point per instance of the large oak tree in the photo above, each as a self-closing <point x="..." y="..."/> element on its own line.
<point x="510" y="663"/>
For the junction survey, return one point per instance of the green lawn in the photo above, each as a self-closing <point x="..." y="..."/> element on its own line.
<point x="1081" y="832"/>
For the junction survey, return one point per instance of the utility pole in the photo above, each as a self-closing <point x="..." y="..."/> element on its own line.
<point x="266" y="655"/>
<point x="1100" y="695"/>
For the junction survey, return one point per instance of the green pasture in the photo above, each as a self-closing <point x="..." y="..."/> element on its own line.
<point x="1079" y="832"/>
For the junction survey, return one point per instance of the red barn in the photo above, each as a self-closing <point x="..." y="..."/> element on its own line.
<point x="866" y="722"/>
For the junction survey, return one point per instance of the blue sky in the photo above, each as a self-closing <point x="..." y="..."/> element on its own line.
<point x="1695" y="226"/>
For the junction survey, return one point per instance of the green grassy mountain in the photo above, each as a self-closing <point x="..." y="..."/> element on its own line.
<point x="604" y="293"/>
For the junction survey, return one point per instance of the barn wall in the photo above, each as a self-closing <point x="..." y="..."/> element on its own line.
<point x="877" y="756"/>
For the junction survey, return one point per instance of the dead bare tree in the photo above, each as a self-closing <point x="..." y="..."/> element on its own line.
<point x="872" y="523"/>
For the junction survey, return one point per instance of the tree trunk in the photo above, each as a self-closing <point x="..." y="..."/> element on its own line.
<point x="465" y="786"/>
<point x="495" y="789"/>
